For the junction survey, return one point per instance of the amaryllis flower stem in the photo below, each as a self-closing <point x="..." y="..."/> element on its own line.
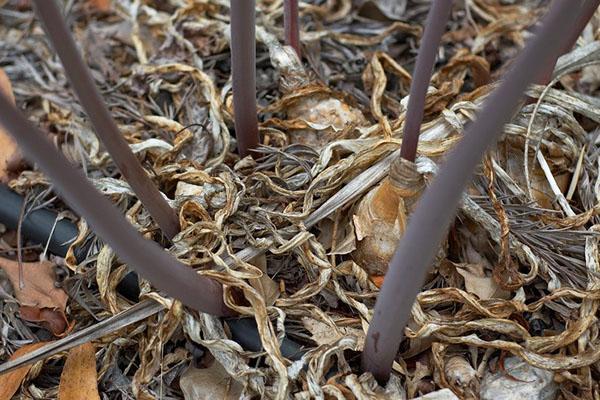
<point x="80" y="78"/>
<point x="291" y="25"/>
<point x="437" y="207"/>
<point x="243" y="65"/>
<point x="434" y="28"/>
<point x="146" y="257"/>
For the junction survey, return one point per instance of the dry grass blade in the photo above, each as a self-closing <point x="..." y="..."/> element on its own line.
<point x="104" y="125"/>
<point x="147" y="257"/>
<point x="437" y="206"/>
<point x="132" y="315"/>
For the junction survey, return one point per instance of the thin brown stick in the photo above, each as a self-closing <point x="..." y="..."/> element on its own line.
<point x="243" y="65"/>
<point x="434" y="28"/>
<point x="105" y="127"/>
<point x="437" y="207"/>
<point x="146" y="257"/>
<point x="291" y="25"/>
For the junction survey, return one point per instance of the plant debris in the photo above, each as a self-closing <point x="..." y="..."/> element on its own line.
<point x="517" y="276"/>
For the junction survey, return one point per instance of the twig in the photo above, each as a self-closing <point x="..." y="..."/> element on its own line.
<point x="105" y="127"/>
<point x="437" y="207"/>
<point x="130" y="316"/>
<point x="243" y="65"/>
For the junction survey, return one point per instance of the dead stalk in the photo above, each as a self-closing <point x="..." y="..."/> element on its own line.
<point x="437" y="207"/>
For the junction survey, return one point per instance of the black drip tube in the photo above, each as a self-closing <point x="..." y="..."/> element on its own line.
<point x="39" y="225"/>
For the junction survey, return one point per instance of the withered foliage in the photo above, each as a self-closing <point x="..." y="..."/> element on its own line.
<point x="518" y="273"/>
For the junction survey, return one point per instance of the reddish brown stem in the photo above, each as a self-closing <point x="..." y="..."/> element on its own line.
<point x="291" y="25"/>
<point x="105" y="127"/>
<point x="437" y="207"/>
<point x="434" y="28"/>
<point x="243" y="65"/>
<point x="586" y="13"/>
<point x="146" y="257"/>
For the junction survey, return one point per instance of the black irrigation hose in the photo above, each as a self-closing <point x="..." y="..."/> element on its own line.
<point x="37" y="226"/>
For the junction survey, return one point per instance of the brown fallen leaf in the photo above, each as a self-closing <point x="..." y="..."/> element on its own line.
<point x="79" y="379"/>
<point x="10" y="157"/>
<point x="478" y="283"/>
<point x="265" y="285"/>
<point x="40" y="299"/>
<point x="11" y="381"/>
<point x="209" y="383"/>
<point x="53" y="320"/>
<point x="39" y="290"/>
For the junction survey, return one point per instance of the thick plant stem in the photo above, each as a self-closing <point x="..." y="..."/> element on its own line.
<point x="586" y="13"/>
<point x="146" y="257"/>
<point x="434" y="28"/>
<point x="291" y="25"/>
<point x="437" y="207"/>
<point x="243" y="65"/>
<point x="80" y="78"/>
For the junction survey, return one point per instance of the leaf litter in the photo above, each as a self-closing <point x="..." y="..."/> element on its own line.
<point x="286" y="233"/>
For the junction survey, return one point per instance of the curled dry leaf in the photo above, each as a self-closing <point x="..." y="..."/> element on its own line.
<point x="10" y="157"/>
<point x="11" y="381"/>
<point x="209" y="384"/>
<point x="40" y="300"/>
<point x="79" y="378"/>
<point x="478" y="283"/>
<point x="265" y="285"/>
<point x="324" y="117"/>
<point x="462" y="376"/>
<point x="323" y="333"/>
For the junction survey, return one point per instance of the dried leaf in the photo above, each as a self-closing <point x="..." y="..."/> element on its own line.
<point x="209" y="384"/>
<point x="53" y="320"/>
<point x="79" y="378"/>
<point x="265" y="285"/>
<point x="11" y="381"/>
<point x="39" y="290"/>
<point x="476" y="282"/>
<point x="40" y="299"/>
<point x="323" y="333"/>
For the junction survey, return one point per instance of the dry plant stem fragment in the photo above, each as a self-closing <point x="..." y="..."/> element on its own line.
<point x="291" y="25"/>
<point x="105" y="127"/>
<point x="146" y="257"/>
<point x="434" y="28"/>
<point x="437" y="207"/>
<point x="243" y="65"/>
<point x="380" y="218"/>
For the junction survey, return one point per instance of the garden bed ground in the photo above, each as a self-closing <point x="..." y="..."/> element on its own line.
<point x="286" y="232"/>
